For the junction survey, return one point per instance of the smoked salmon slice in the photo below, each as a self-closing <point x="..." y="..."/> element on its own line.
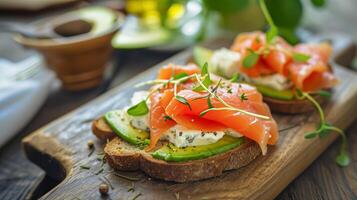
<point x="169" y="70"/>
<point x="312" y="75"/>
<point x="262" y="131"/>
<point x="159" y="121"/>
<point x="166" y="111"/>
<point x="315" y="74"/>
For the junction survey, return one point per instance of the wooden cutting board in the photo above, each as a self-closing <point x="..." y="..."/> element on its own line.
<point x="60" y="148"/>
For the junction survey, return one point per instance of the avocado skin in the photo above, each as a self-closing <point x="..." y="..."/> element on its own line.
<point x="276" y="94"/>
<point x="201" y="55"/>
<point x="169" y="152"/>
<point x="124" y="130"/>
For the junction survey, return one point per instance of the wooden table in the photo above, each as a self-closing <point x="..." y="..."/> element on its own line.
<point x="20" y="179"/>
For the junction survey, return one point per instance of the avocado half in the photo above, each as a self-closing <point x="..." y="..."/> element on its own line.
<point x="102" y="19"/>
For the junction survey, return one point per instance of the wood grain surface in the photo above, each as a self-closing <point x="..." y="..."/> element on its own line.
<point x="60" y="149"/>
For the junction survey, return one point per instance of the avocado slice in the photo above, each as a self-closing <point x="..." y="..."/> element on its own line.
<point x="201" y="55"/>
<point x="276" y="94"/>
<point x="170" y="152"/>
<point x="119" y="123"/>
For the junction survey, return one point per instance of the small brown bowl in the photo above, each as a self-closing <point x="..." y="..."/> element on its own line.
<point x="79" y="60"/>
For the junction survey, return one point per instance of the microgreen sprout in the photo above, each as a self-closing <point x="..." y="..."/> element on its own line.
<point x="138" y="109"/>
<point x="235" y="78"/>
<point x="300" y="57"/>
<point x="324" y="128"/>
<point x="227" y="106"/>
<point x="243" y="97"/>
<point x="206" y="78"/>
<point x="252" y="57"/>
<point x="166" y="117"/>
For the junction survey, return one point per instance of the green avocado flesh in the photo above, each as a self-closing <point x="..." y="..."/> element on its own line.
<point x="101" y="18"/>
<point x="276" y="94"/>
<point x="201" y="55"/>
<point x="119" y="123"/>
<point x="170" y="152"/>
<point x="121" y="126"/>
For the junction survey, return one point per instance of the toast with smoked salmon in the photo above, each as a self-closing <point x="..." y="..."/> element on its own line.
<point x="277" y="69"/>
<point x="125" y="157"/>
<point x="188" y="125"/>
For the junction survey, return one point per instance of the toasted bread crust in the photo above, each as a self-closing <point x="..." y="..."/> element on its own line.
<point x="101" y="130"/>
<point x="120" y="158"/>
<point x="123" y="156"/>
<point x="295" y="106"/>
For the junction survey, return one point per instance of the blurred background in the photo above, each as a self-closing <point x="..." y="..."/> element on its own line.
<point x="55" y="55"/>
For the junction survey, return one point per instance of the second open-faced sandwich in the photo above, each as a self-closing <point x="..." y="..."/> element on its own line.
<point x="189" y="125"/>
<point x="276" y="68"/>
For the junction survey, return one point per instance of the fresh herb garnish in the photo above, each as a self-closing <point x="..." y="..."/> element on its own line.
<point x="129" y="178"/>
<point x="273" y="30"/>
<point x="209" y="103"/>
<point x="206" y="81"/>
<point x="131" y="189"/>
<point x="235" y="78"/>
<point x="204" y="69"/>
<point x="325" y="128"/>
<point x="138" y="109"/>
<point x="243" y="97"/>
<point x="84" y="167"/>
<point x="228" y="107"/>
<point x="324" y="93"/>
<point x="136" y="196"/>
<point x="251" y="59"/>
<point x="271" y="34"/>
<point x="183" y="100"/>
<point x="99" y="171"/>
<point x="180" y="75"/>
<point x="166" y="117"/>
<point x="300" y="57"/>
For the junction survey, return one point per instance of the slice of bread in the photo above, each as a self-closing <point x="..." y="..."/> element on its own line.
<point x="123" y="156"/>
<point x="295" y="106"/>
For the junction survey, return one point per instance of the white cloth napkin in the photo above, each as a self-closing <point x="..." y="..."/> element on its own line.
<point x="20" y="99"/>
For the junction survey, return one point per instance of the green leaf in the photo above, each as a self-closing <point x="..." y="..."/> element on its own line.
<point x="300" y="57"/>
<point x="209" y="102"/>
<point x="271" y="34"/>
<point x="204" y="112"/>
<point x="285" y="14"/>
<point x="324" y="93"/>
<point x="243" y="97"/>
<point x="318" y="3"/>
<point x="204" y="69"/>
<point x="250" y="60"/>
<point x="183" y="100"/>
<point x="206" y="82"/>
<point x="235" y="78"/>
<point x="311" y="135"/>
<point x="323" y="133"/>
<point x="343" y="159"/>
<point x="139" y="109"/>
<point x="166" y="117"/>
<point x="289" y="35"/>
<point x="180" y="75"/>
